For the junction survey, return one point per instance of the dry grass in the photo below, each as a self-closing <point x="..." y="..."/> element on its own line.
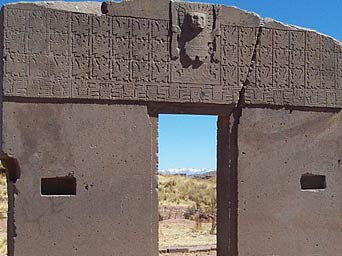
<point x="187" y="191"/>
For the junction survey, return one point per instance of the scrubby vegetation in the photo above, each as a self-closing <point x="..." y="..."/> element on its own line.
<point x="188" y="191"/>
<point x="198" y="196"/>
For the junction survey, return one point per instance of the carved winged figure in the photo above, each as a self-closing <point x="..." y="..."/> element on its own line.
<point x="194" y="34"/>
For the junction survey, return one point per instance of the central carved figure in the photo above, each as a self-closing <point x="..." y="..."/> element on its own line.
<point x="194" y="35"/>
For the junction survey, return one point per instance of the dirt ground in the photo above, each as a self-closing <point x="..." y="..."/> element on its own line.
<point x="212" y="253"/>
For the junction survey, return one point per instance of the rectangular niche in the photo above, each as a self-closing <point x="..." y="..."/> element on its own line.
<point x="58" y="186"/>
<point x="313" y="182"/>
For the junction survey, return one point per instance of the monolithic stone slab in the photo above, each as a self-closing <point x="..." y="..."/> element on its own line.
<point x="275" y="216"/>
<point x="108" y="149"/>
<point x="143" y="51"/>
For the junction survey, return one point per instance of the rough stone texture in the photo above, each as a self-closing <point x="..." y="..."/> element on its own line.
<point x="295" y="67"/>
<point x="108" y="149"/>
<point x="71" y="55"/>
<point x="275" y="217"/>
<point x="66" y="72"/>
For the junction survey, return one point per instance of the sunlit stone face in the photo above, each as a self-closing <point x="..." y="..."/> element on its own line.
<point x="197" y="20"/>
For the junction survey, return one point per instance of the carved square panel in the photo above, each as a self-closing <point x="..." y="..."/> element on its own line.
<point x="101" y="25"/>
<point x="247" y="37"/>
<point x="121" y="27"/>
<point x="15" y="42"/>
<point x="101" y="46"/>
<point x="122" y="49"/>
<point x="230" y="95"/>
<point x="297" y="78"/>
<point x="141" y="71"/>
<point x="229" y="75"/>
<point x="297" y="59"/>
<point x="60" y="66"/>
<point x="281" y="77"/>
<point x="20" y="87"/>
<point x="313" y="41"/>
<point x="163" y="92"/>
<point x="80" y="45"/>
<point x="79" y="88"/>
<point x="264" y="77"/>
<point x="245" y="56"/>
<point x="17" y="20"/>
<point x="328" y="61"/>
<point x="331" y="99"/>
<point x="328" y="44"/>
<point x="313" y="60"/>
<point x="297" y="40"/>
<point x="39" y="65"/>
<point x="100" y="68"/>
<point x="264" y="56"/>
<point x="184" y="93"/>
<point x="281" y="39"/>
<point x="229" y="55"/>
<point x="140" y="50"/>
<point x="121" y="70"/>
<point x="128" y="91"/>
<point x="315" y="98"/>
<point x="80" y="24"/>
<point x="140" y="92"/>
<point x="38" y="43"/>
<point x="81" y="67"/>
<point x="61" y="88"/>
<point x="298" y="97"/>
<point x="160" y="30"/>
<point x="60" y="44"/>
<point x="152" y="92"/>
<point x="230" y="35"/>
<point x="281" y="57"/>
<point x="117" y="91"/>
<point x="328" y="79"/>
<point x="39" y="88"/>
<point x="160" y="72"/>
<point x="313" y="79"/>
<point x="266" y="38"/>
<point x="141" y="28"/>
<point x="59" y="22"/>
<point x="16" y="65"/>
<point x="160" y="51"/>
<point x="338" y="82"/>
<point x="106" y="90"/>
<point x="38" y="21"/>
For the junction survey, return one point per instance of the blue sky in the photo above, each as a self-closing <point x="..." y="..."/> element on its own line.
<point x="190" y="141"/>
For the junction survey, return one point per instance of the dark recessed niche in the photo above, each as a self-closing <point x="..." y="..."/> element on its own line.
<point x="313" y="182"/>
<point x="58" y="186"/>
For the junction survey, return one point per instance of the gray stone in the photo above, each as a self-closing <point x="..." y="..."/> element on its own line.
<point x="83" y="84"/>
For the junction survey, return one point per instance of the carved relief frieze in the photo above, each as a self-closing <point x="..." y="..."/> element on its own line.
<point x="191" y="56"/>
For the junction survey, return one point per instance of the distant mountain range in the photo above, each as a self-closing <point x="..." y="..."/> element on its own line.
<point x="189" y="171"/>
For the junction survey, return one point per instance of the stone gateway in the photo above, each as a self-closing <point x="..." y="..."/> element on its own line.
<point x="82" y="87"/>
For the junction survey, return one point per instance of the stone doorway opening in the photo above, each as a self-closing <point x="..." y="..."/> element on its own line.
<point x="187" y="184"/>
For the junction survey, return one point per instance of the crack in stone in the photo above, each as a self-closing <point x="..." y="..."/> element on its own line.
<point x="241" y="101"/>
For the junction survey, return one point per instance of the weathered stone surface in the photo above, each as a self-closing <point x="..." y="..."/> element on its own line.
<point x="66" y="70"/>
<point x="295" y="67"/>
<point x="64" y="54"/>
<point x="111" y="159"/>
<point x="276" y="147"/>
